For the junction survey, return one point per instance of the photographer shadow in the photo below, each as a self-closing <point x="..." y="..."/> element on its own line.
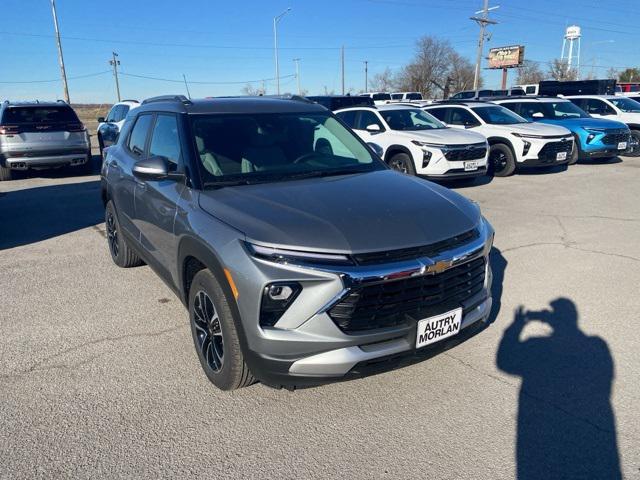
<point x="566" y="424"/>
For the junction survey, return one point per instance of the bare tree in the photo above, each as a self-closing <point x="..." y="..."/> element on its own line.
<point x="436" y="69"/>
<point x="383" y="81"/>
<point x="251" y="91"/>
<point x="612" y="73"/>
<point x="529" y="72"/>
<point x="560" y="70"/>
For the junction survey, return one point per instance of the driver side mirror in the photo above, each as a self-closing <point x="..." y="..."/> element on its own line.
<point x="155" y="168"/>
<point x="100" y="119"/>
<point x="377" y="149"/>
<point x="537" y="115"/>
<point x="373" y="128"/>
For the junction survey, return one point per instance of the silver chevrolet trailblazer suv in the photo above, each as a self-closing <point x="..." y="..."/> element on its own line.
<point x="35" y="135"/>
<point x="299" y="254"/>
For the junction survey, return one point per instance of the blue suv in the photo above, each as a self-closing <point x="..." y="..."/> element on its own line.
<point x="595" y="137"/>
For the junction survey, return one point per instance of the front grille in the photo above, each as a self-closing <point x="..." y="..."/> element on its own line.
<point x="431" y="250"/>
<point x="396" y="302"/>
<point x="613" y="137"/>
<point x="470" y="152"/>
<point x="551" y="149"/>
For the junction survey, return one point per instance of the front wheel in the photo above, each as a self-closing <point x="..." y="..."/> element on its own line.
<point x="214" y="334"/>
<point x="5" y="173"/>
<point x="121" y="253"/>
<point x="575" y="153"/>
<point x="501" y="161"/>
<point x="634" y="151"/>
<point x="402" y="162"/>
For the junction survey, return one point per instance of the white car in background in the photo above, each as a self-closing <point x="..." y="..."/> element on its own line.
<point x="416" y="143"/>
<point x="514" y="141"/>
<point x="379" y="98"/>
<point x="109" y="128"/>
<point x="614" y="107"/>
<point x="400" y="96"/>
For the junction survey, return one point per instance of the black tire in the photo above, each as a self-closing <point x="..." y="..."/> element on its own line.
<point x="5" y="174"/>
<point x="635" y="139"/>
<point x="401" y="162"/>
<point x="575" y="153"/>
<point x="86" y="168"/>
<point x="214" y="334"/>
<point x="101" y="146"/>
<point x="121" y="253"/>
<point x="501" y="161"/>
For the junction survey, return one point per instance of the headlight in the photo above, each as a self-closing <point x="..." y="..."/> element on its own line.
<point x="441" y="146"/>
<point x="276" y="299"/>
<point x="525" y="135"/>
<point x="280" y="255"/>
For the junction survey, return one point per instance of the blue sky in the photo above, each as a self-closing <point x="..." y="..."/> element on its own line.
<point x="232" y="41"/>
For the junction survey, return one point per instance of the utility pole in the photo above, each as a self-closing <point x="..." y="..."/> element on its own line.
<point x="275" y="46"/>
<point x="186" y="85"/>
<point x="115" y="62"/>
<point x="366" y="76"/>
<point x="297" y="62"/>
<point x="483" y="21"/>
<point x="342" y="65"/>
<point x="60" y="56"/>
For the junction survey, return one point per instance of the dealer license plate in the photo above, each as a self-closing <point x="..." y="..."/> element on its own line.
<point x="622" y="146"/>
<point x="561" y="156"/>
<point x="439" y="327"/>
<point x="472" y="165"/>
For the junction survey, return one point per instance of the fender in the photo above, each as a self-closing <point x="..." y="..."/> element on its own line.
<point x="393" y="149"/>
<point x="506" y="141"/>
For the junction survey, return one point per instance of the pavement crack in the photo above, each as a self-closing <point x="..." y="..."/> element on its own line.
<point x="41" y="365"/>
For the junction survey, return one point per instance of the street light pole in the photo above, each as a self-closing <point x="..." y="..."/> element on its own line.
<point x="297" y="62"/>
<point x="60" y="57"/>
<point x="366" y="76"/>
<point x="275" y="46"/>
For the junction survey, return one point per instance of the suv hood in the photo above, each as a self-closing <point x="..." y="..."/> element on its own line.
<point x="447" y="136"/>
<point x="533" y="128"/>
<point x="382" y="210"/>
<point x="575" y="123"/>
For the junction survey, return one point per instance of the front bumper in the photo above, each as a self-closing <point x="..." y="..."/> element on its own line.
<point x="542" y="152"/>
<point x="306" y="346"/>
<point x="439" y="166"/>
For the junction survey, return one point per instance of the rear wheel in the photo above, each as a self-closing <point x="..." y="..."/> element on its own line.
<point x="5" y="174"/>
<point x="634" y="151"/>
<point x="501" y="161"/>
<point x="121" y="253"/>
<point x="402" y="162"/>
<point x="101" y="146"/>
<point x="214" y="334"/>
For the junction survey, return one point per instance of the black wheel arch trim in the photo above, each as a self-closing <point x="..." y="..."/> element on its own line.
<point x="395" y="149"/>
<point x="493" y="140"/>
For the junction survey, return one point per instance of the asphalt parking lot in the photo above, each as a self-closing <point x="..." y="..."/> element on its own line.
<point x="99" y="377"/>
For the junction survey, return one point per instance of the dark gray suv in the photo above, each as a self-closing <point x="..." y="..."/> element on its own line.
<point x="299" y="254"/>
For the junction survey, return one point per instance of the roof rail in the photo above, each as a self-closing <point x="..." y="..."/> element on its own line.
<point x="289" y="96"/>
<point x="168" y="98"/>
<point x="130" y="100"/>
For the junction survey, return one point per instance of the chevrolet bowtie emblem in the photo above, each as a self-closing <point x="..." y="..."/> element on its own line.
<point x="439" y="267"/>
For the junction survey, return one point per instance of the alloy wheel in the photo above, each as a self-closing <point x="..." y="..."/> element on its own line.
<point x="498" y="161"/>
<point x="399" y="165"/>
<point x="208" y="331"/>
<point x="112" y="234"/>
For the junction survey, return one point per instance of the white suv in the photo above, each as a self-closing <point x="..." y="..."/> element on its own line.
<point x="379" y="98"/>
<point x="613" y="107"/>
<point x="513" y="140"/>
<point x="416" y="143"/>
<point x="109" y="128"/>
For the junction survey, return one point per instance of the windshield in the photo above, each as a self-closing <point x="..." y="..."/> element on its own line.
<point x="497" y="115"/>
<point x="381" y="96"/>
<point x="409" y="119"/>
<point x="552" y="110"/>
<point x="626" y="104"/>
<point x="254" y="148"/>
<point x="414" y="96"/>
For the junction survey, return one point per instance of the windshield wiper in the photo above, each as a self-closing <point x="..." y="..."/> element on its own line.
<point x="231" y="183"/>
<point x="325" y="173"/>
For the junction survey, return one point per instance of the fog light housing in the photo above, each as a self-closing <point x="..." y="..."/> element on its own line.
<point x="590" y="137"/>
<point x="426" y="158"/>
<point x="277" y="297"/>
<point x="527" y="146"/>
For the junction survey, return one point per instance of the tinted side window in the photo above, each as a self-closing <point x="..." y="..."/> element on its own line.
<point x="528" y="109"/>
<point x="138" y="137"/>
<point x="598" y="107"/>
<point x="122" y="113"/>
<point x="530" y="90"/>
<point x="580" y="102"/>
<point x="460" y="116"/>
<point x="348" y="117"/>
<point x="112" y="114"/>
<point x="367" y="118"/>
<point x="439" y="113"/>
<point x="514" y="107"/>
<point x="165" y="141"/>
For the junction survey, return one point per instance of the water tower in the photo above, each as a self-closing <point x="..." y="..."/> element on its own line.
<point x="571" y="48"/>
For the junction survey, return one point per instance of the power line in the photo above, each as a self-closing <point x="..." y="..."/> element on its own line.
<point x="56" y="80"/>
<point x="172" y="80"/>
